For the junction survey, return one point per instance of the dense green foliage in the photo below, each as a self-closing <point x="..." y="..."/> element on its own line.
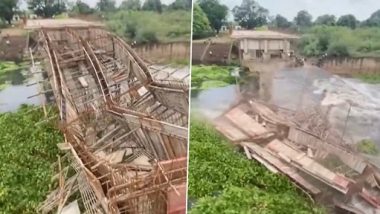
<point x="27" y="151"/>
<point x="281" y="22"/>
<point x="130" y="5"/>
<point x="149" y="26"/>
<point x="373" y="20"/>
<point x="106" y="5"/>
<point x="7" y="9"/>
<point x="348" y="21"/>
<point x="325" y="20"/>
<point x="341" y="41"/>
<point x="368" y="147"/>
<point x="215" y="12"/>
<point x="250" y="14"/>
<point x="81" y="8"/>
<point x="181" y="5"/>
<point x="221" y="180"/>
<point x="201" y="24"/>
<point x="153" y="5"/>
<point x="205" y="77"/>
<point x="303" y="19"/>
<point x="46" y="8"/>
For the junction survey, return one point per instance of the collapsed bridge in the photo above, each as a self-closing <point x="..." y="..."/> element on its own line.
<point x="125" y="131"/>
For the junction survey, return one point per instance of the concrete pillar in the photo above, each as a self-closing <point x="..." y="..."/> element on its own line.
<point x="245" y="45"/>
<point x="265" y="46"/>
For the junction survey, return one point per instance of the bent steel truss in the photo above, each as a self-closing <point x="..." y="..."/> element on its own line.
<point x="125" y="132"/>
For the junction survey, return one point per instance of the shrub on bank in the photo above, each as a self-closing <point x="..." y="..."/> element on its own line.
<point x="149" y="26"/>
<point x="341" y="41"/>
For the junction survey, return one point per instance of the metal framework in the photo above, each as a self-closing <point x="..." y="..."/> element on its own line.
<point x="125" y="131"/>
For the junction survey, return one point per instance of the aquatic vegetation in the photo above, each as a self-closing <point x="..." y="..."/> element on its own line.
<point x="205" y="77"/>
<point x="369" y="78"/>
<point x="222" y="180"/>
<point x="27" y="151"/>
<point x="11" y="73"/>
<point x="367" y="146"/>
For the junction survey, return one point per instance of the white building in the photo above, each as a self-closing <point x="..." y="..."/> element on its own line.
<point x="263" y="44"/>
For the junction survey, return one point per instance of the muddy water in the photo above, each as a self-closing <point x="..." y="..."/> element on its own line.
<point x="303" y="88"/>
<point x="17" y="92"/>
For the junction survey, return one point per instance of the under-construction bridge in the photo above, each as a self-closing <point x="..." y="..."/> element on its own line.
<point x="125" y="131"/>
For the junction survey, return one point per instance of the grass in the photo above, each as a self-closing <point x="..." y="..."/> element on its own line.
<point x="222" y="180"/>
<point x="369" y="78"/>
<point x="149" y="26"/>
<point x="26" y="153"/>
<point x="206" y="77"/>
<point x="368" y="147"/>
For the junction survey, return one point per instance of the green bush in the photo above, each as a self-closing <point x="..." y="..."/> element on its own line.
<point x="338" y="49"/>
<point x="221" y="180"/>
<point x="146" y="36"/>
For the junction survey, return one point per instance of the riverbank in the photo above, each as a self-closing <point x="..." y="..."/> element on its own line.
<point x="28" y="149"/>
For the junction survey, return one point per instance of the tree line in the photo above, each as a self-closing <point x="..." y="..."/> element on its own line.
<point x="211" y="15"/>
<point x="49" y="8"/>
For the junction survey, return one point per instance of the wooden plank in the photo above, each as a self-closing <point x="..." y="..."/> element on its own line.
<point x="245" y="123"/>
<point x="281" y="166"/>
<point x="228" y="130"/>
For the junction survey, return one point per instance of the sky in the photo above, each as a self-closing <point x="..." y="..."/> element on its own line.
<point x="362" y="9"/>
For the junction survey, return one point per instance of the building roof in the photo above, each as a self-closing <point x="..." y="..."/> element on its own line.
<point x="253" y="34"/>
<point x="59" y="23"/>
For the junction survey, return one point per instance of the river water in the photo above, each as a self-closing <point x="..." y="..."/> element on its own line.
<point x="17" y="92"/>
<point x="302" y="89"/>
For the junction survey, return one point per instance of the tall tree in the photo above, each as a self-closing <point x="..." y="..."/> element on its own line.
<point x="201" y="24"/>
<point x="250" y="14"/>
<point x="82" y="8"/>
<point x="373" y="20"/>
<point x="130" y="5"/>
<point x="326" y="20"/>
<point x="154" y="5"/>
<point x="47" y="8"/>
<point x="281" y="22"/>
<point x="7" y="9"/>
<point x="106" y="5"/>
<point x="347" y="21"/>
<point x="303" y="19"/>
<point x="181" y="5"/>
<point x="215" y="12"/>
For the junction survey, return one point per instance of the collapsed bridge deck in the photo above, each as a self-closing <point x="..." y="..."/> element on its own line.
<point x="125" y="132"/>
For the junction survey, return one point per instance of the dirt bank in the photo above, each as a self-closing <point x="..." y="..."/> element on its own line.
<point x="352" y="66"/>
<point x="12" y="44"/>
